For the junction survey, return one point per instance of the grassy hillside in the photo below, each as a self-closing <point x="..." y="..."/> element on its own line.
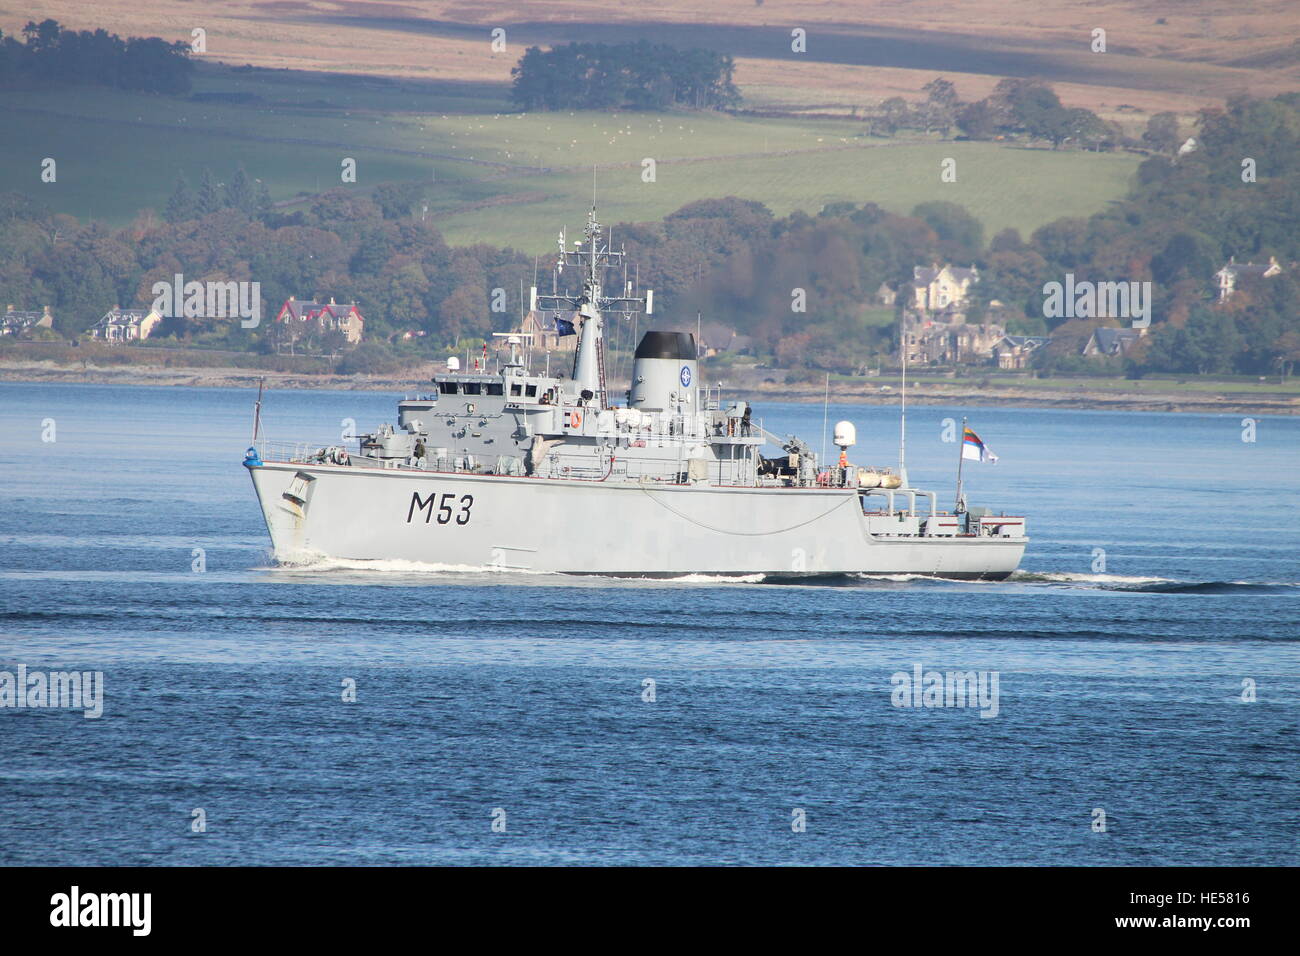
<point x="1162" y="54"/>
<point x="1002" y="187"/>
<point x="502" y="177"/>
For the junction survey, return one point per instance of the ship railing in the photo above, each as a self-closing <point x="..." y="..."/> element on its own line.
<point x="296" y="452"/>
<point x="317" y="453"/>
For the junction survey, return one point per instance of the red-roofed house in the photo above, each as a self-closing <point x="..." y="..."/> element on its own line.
<point x="328" y="316"/>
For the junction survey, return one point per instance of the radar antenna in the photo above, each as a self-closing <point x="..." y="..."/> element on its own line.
<point x="591" y="255"/>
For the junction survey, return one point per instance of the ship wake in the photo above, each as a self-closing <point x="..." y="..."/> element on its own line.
<point x="717" y="579"/>
<point x="314" y="563"/>
<point x="1151" y="585"/>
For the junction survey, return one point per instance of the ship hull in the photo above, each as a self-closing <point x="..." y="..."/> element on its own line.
<point x="651" y="529"/>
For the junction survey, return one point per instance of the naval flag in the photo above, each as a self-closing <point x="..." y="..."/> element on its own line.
<point x="973" y="449"/>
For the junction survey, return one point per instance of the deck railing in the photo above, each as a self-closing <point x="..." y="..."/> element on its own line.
<point x="291" y="451"/>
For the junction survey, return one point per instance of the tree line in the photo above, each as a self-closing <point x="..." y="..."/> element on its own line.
<point x="52" y="55"/>
<point x="1021" y="109"/>
<point x="1017" y="108"/>
<point x="734" y="261"/>
<point x="249" y="196"/>
<point x="1186" y="216"/>
<point x="348" y="245"/>
<point x="639" y="75"/>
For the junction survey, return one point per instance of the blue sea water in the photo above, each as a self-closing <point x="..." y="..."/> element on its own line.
<point x="519" y="698"/>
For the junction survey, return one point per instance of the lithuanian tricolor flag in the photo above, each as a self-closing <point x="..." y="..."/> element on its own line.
<point x="973" y="449"/>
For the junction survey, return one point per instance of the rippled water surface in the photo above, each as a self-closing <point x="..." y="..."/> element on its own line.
<point x="1159" y="588"/>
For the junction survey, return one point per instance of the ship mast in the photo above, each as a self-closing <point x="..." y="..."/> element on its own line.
<point x="591" y="303"/>
<point x="902" y="405"/>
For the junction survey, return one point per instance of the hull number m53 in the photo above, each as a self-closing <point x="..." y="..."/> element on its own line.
<point x="445" y="508"/>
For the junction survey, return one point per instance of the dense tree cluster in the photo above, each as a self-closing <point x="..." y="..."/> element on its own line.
<point x="397" y="268"/>
<point x="735" y="262"/>
<point x="250" y="197"/>
<point x="51" y="55"/>
<point x="1032" y="108"/>
<point x="640" y="75"/>
<point x="1017" y="108"/>
<point x="1186" y="216"/>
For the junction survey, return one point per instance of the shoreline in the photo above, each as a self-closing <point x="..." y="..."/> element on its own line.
<point x="918" y="393"/>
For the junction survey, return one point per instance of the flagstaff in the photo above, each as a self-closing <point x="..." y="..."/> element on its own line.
<point x="974" y="448"/>
<point x="960" y="506"/>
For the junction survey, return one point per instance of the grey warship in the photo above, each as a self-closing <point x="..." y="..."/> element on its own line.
<point x="509" y="469"/>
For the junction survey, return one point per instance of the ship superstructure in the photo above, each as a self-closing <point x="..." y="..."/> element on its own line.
<point x="509" y="468"/>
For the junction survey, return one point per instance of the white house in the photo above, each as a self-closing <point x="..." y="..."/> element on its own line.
<point x="120" y="326"/>
<point x="16" y="322"/>
<point x="942" y="289"/>
<point x="1229" y="274"/>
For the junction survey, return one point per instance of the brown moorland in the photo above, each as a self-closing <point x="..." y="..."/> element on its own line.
<point x="1161" y="54"/>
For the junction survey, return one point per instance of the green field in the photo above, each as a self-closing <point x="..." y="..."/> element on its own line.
<point x="507" y="178"/>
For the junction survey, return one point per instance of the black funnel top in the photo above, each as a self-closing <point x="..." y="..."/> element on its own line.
<point x="667" y="345"/>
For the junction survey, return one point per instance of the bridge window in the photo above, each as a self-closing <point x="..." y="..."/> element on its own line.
<point x="448" y="388"/>
<point x="494" y="388"/>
